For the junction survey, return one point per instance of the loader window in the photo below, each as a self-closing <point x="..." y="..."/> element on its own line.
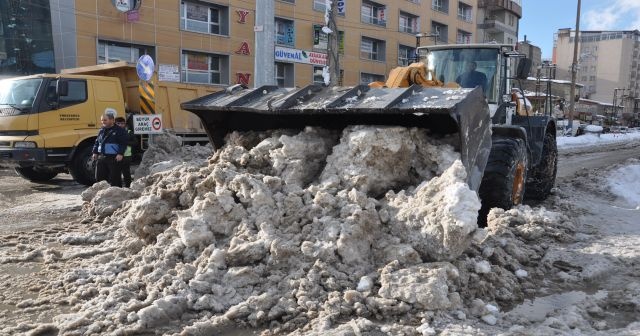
<point x="449" y="64"/>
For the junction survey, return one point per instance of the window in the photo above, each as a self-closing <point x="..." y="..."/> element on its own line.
<point x="320" y="5"/>
<point x="77" y="94"/>
<point x="464" y="12"/>
<point x="463" y="37"/>
<point x="320" y="39"/>
<point x="373" y="13"/>
<point x="512" y="20"/>
<point x="366" y="78"/>
<point x="317" y="75"/>
<point x="115" y="51"/>
<point x="285" y="32"/>
<point x="210" y="18"/>
<point x="372" y="49"/>
<point x="440" y="5"/>
<point x="409" y="23"/>
<point x="204" y="68"/>
<point x="442" y="31"/>
<point x="592" y="78"/>
<point x="406" y="55"/>
<point x="284" y="74"/>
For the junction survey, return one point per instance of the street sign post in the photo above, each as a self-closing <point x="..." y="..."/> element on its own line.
<point x="147" y="124"/>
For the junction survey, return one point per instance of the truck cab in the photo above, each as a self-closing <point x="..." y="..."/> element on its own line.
<point x="48" y="123"/>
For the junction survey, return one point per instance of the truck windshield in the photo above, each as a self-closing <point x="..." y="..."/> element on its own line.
<point x="469" y="67"/>
<point x="18" y="95"/>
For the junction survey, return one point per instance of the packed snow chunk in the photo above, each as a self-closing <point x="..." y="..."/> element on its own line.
<point x="215" y="213"/>
<point x="301" y="157"/>
<point x="147" y="217"/>
<point x="624" y="182"/>
<point x="483" y="267"/>
<point x="377" y="159"/>
<point x="521" y="273"/>
<point x="166" y="151"/>
<point x="107" y="201"/>
<point x="423" y="286"/>
<point x="162" y="311"/>
<point x="365" y="284"/>
<point x="439" y="219"/>
<point x="91" y="192"/>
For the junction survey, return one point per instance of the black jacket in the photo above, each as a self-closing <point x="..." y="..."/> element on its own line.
<point x="111" y="141"/>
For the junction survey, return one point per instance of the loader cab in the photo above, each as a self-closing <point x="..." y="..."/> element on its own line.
<point x="450" y="63"/>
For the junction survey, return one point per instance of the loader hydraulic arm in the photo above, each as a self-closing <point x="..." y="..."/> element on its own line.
<point x="415" y="73"/>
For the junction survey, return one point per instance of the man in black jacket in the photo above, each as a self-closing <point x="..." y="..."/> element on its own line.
<point x="109" y="150"/>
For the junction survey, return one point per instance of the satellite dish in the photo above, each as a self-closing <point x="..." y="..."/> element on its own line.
<point x="126" y="5"/>
<point x="145" y="67"/>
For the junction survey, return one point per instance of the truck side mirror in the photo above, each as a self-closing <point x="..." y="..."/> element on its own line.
<point x="62" y="88"/>
<point x="524" y="67"/>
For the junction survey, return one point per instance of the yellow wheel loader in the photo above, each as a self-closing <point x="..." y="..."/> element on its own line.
<point x="508" y="150"/>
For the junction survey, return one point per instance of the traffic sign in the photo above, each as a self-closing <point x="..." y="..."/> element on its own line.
<point x="147" y="124"/>
<point x="145" y="67"/>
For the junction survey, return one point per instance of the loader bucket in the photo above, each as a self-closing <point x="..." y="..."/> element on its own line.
<point x="441" y="110"/>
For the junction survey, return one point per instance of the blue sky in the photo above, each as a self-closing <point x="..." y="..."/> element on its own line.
<point x="542" y="18"/>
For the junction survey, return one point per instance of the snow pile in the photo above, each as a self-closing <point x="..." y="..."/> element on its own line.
<point x="310" y="233"/>
<point x="166" y="151"/>
<point x="624" y="182"/>
<point x="595" y="139"/>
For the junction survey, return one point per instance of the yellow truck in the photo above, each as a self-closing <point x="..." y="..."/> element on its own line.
<point x="49" y="122"/>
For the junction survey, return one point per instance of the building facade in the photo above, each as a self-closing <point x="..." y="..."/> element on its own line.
<point x="498" y="21"/>
<point x="608" y="66"/>
<point x="26" y="40"/>
<point x="212" y="42"/>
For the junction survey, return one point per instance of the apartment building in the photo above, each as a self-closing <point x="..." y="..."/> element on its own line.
<point x="212" y="42"/>
<point x="498" y="21"/>
<point x="608" y="66"/>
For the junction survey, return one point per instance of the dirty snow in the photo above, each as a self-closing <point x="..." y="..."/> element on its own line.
<point x="624" y="182"/>
<point x="318" y="232"/>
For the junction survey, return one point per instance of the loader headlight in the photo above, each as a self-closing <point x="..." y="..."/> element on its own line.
<point x="24" y="144"/>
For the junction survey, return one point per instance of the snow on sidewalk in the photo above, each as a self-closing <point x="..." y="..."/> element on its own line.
<point x="594" y="140"/>
<point x="624" y="182"/>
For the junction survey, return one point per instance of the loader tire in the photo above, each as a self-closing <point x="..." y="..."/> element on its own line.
<point x="542" y="177"/>
<point x="35" y="175"/>
<point x="81" y="167"/>
<point x="503" y="183"/>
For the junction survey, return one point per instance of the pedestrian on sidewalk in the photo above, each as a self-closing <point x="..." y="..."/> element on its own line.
<point x="108" y="150"/>
<point x="125" y="164"/>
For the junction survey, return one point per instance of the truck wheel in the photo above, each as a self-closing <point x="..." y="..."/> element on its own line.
<point x="543" y="176"/>
<point x="35" y="175"/>
<point x="81" y="168"/>
<point x="503" y="182"/>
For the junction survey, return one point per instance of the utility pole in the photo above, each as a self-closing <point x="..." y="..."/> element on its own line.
<point x="574" y="69"/>
<point x="264" y="53"/>
<point x="333" y="58"/>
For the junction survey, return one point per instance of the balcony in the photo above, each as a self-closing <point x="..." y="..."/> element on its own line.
<point x="494" y="26"/>
<point x="513" y="6"/>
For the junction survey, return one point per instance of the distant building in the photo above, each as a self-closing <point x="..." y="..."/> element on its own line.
<point x="498" y="20"/>
<point x="534" y="53"/>
<point x="609" y="67"/>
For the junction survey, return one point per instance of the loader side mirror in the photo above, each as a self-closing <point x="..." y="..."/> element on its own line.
<point x="62" y="88"/>
<point x="524" y="67"/>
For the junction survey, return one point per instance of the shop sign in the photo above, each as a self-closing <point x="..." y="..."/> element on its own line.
<point x="300" y="56"/>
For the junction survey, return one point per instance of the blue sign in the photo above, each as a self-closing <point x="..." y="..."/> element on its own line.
<point x="145" y="67"/>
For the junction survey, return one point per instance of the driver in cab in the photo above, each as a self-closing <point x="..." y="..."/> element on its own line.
<point x="472" y="78"/>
